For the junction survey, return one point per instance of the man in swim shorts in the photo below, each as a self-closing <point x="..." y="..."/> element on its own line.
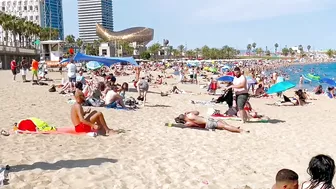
<point x="35" y="66"/>
<point x="193" y="119"/>
<point x="240" y="88"/>
<point x="142" y="87"/>
<point x="93" y="121"/>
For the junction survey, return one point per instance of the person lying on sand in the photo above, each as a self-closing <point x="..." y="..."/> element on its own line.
<point x="94" y="121"/>
<point x="193" y="119"/>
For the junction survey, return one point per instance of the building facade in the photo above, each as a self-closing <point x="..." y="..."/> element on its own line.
<point x="46" y="13"/>
<point x="53" y="16"/>
<point x="92" y="12"/>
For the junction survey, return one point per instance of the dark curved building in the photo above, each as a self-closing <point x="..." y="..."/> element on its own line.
<point x="141" y="35"/>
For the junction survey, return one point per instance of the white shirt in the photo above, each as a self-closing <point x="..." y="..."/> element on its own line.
<point x="109" y="96"/>
<point x="238" y="81"/>
<point x="72" y="69"/>
<point x="306" y="185"/>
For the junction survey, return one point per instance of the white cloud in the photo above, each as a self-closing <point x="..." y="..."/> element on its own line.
<point x="242" y="10"/>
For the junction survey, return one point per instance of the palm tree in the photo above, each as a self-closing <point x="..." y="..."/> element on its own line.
<point x="154" y="49"/>
<point x="285" y="51"/>
<point x="249" y="48"/>
<point x="254" y="45"/>
<point x="276" y="45"/>
<point x="190" y="53"/>
<point x="197" y="51"/>
<point x="308" y="48"/>
<point x="291" y="52"/>
<point x="259" y="51"/>
<point x="300" y="49"/>
<point x="205" y="50"/>
<point x="181" y="48"/>
<point x="79" y="43"/>
<point x="70" y="40"/>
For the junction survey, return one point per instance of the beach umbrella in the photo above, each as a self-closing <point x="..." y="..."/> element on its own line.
<point x="93" y="65"/>
<point x="280" y="87"/>
<point x="328" y="81"/>
<point x="280" y="79"/>
<point x="226" y="78"/>
<point x="65" y="60"/>
<point x="225" y="67"/>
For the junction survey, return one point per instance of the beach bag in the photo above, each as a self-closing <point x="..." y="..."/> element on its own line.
<point x="95" y="102"/>
<point x="130" y="101"/>
<point x="33" y="125"/>
<point x="52" y="89"/>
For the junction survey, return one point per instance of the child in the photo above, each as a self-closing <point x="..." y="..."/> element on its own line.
<point x="124" y="88"/>
<point x="286" y="179"/>
<point x="321" y="170"/>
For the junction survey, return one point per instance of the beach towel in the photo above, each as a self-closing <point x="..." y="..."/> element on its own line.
<point x="61" y="130"/>
<point x="234" y="118"/>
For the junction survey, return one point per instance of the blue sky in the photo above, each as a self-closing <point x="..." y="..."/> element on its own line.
<point x="216" y="23"/>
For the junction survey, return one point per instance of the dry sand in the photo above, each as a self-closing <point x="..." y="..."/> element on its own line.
<point x="150" y="155"/>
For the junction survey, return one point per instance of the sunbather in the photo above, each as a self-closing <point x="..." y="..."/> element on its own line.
<point x="93" y="121"/>
<point x="113" y="99"/>
<point x="193" y="119"/>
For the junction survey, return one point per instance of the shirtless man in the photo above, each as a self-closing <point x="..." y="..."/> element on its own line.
<point x="193" y="119"/>
<point x="94" y="121"/>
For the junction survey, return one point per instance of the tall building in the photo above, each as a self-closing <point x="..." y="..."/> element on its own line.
<point x="46" y="13"/>
<point x="53" y="16"/>
<point x="92" y="12"/>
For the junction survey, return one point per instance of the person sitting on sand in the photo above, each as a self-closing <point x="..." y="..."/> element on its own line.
<point x="331" y="92"/>
<point x="159" y="80"/>
<point x="193" y="119"/>
<point x="318" y="90"/>
<point x="286" y="179"/>
<point x="321" y="170"/>
<point x="260" y="90"/>
<point x="113" y="99"/>
<point x="93" y="121"/>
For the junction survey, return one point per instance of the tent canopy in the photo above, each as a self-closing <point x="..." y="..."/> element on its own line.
<point x="107" y="61"/>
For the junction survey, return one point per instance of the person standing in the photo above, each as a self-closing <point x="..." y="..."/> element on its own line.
<point x="240" y="88"/>
<point x="13" y="68"/>
<point x="35" y="66"/>
<point x="24" y="68"/>
<point x="72" y="70"/>
<point x="60" y="65"/>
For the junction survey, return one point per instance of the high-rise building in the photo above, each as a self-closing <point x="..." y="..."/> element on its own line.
<point x="53" y="16"/>
<point x="46" y="13"/>
<point x="92" y="12"/>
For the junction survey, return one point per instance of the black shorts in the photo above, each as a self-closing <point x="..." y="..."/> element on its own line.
<point x="191" y="76"/>
<point x="14" y="72"/>
<point x="241" y="100"/>
<point x="72" y="80"/>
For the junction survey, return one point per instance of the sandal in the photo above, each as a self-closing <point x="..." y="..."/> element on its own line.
<point x="4" y="133"/>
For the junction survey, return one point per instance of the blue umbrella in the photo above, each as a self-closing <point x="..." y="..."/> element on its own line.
<point x="328" y="81"/>
<point x="65" y="60"/>
<point x="93" y="65"/>
<point x="226" y="78"/>
<point x="225" y="67"/>
<point x="280" y="87"/>
<point x="280" y="79"/>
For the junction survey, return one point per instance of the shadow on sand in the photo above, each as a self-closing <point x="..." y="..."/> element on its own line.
<point x="158" y="106"/>
<point x="134" y="90"/>
<point x="69" y="164"/>
<point x="275" y="121"/>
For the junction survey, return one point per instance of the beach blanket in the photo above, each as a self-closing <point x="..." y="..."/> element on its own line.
<point x="182" y="126"/>
<point x="61" y="130"/>
<point x="234" y="118"/>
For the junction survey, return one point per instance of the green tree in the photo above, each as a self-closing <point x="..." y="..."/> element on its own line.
<point x="197" y="52"/>
<point x="190" y="53"/>
<point x="254" y="45"/>
<point x="259" y="51"/>
<point x="70" y="40"/>
<point x="145" y="55"/>
<point x="300" y="49"/>
<point x="249" y="48"/>
<point x="268" y="53"/>
<point x="181" y="48"/>
<point x="154" y="49"/>
<point x="330" y="53"/>
<point x="285" y="51"/>
<point x="276" y="45"/>
<point x="205" y="50"/>
<point x="291" y="52"/>
<point x="308" y="48"/>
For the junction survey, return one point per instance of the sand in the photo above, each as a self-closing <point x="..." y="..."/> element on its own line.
<point x="150" y="155"/>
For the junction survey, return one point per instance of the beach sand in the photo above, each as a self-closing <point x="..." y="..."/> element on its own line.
<point x="150" y="155"/>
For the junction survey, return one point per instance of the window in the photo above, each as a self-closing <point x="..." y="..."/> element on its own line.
<point x="37" y="17"/>
<point x="25" y="8"/>
<point x="36" y="7"/>
<point x="31" y="18"/>
<point x="19" y="3"/>
<point x="26" y="18"/>
<point x="19" y="8"/>
<point x="4" y="3"/>
<point x="3" y="9"/>
<point x="30" y="8"/>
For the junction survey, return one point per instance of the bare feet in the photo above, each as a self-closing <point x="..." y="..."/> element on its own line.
<point x="111" y="132"/>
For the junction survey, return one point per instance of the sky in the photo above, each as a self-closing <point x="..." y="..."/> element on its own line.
<point x="195" y="23"/>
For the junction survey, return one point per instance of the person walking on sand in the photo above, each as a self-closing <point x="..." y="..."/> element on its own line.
<point x="13" y="68"/>
<point x="35" y="66"/>
<point x="93" y="121"/>
<point x="240" y="88"/>
<point x="142" y="88"/>
<point x="24" y="68"/>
